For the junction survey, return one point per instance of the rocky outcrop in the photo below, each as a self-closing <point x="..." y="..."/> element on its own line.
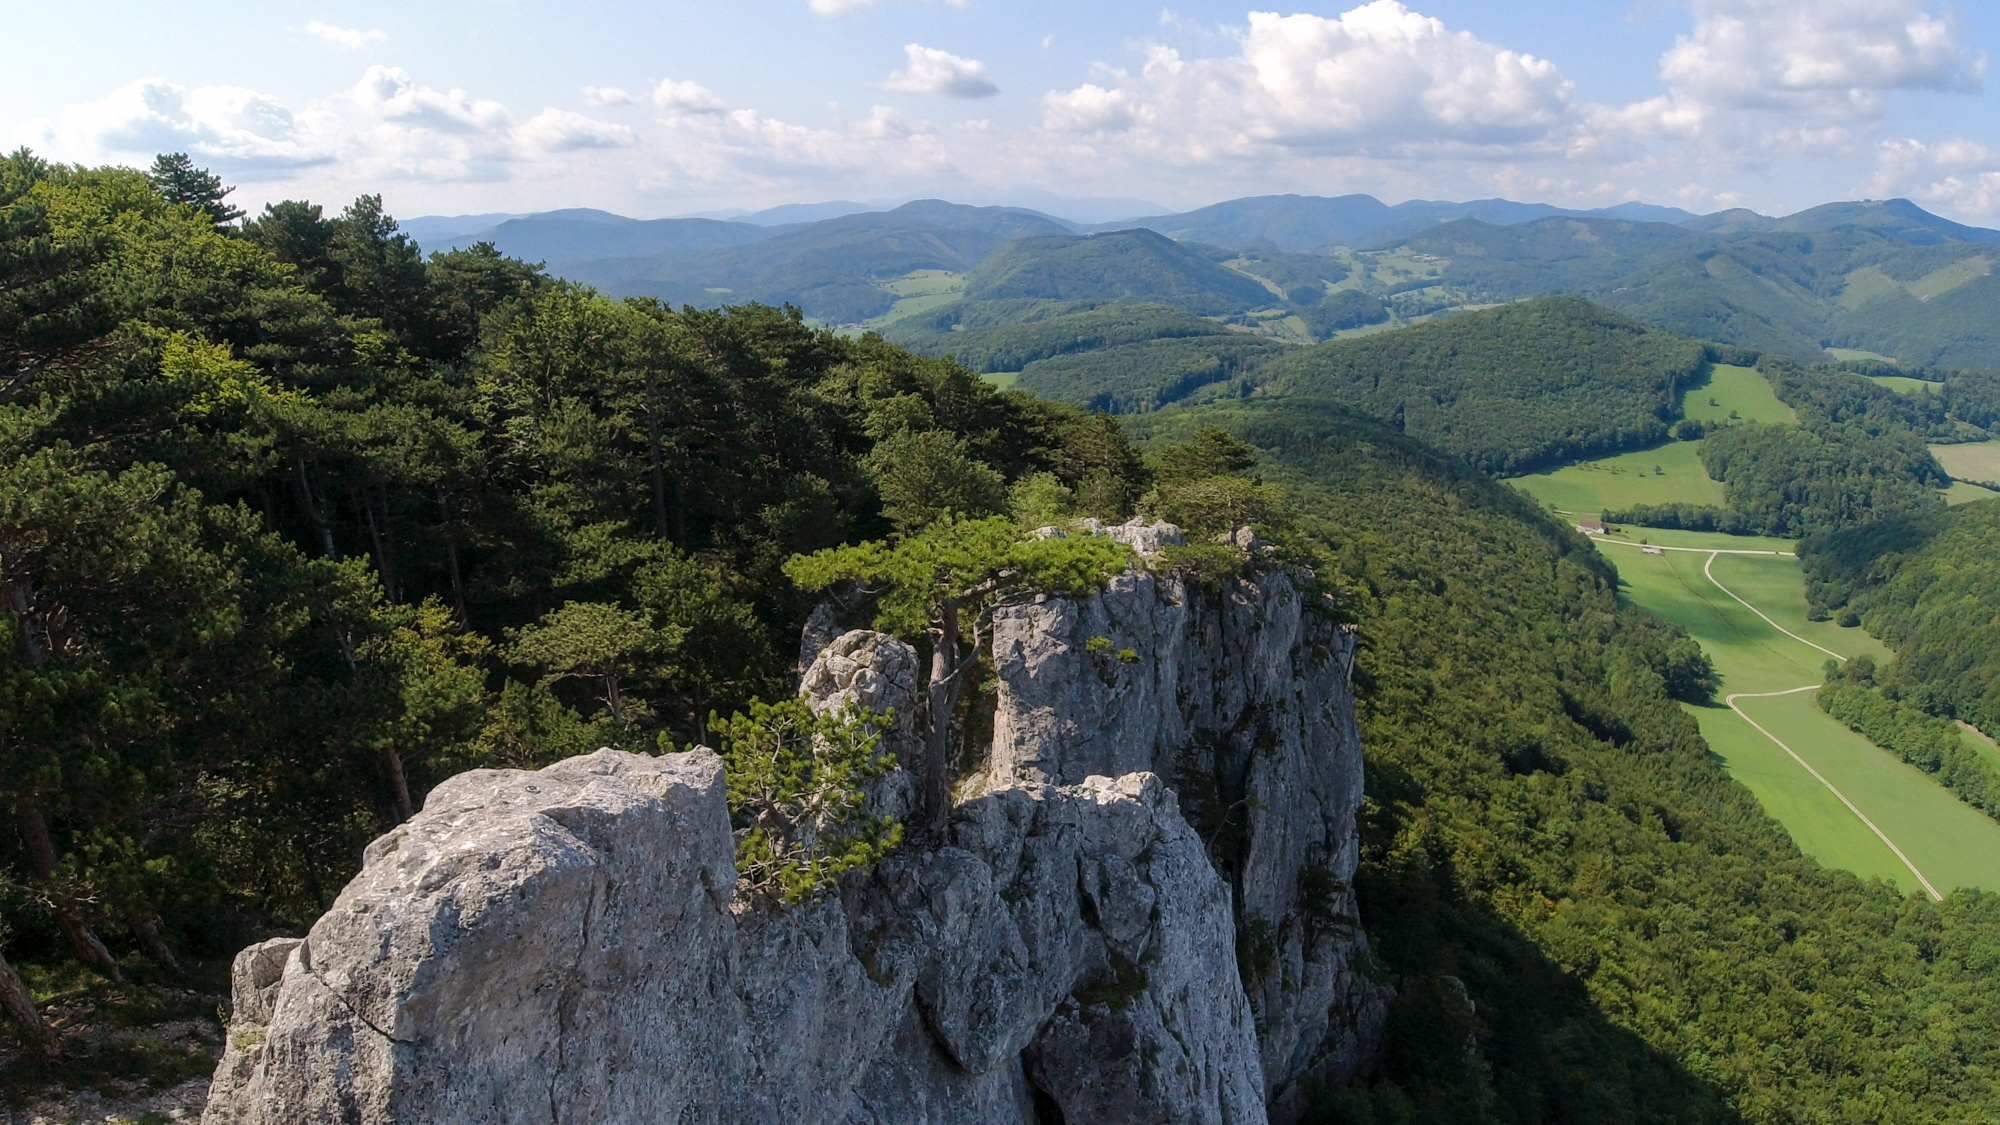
<point x="1239" y="698"/>
<point x="1139" y="914"/>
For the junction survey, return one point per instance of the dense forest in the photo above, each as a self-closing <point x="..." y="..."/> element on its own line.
<point x="1510" y="389"/>
<point x="1929" y="586"/>
<point x="1130" y="265"/>
<point x="294" y="523"/>
<point x="1586" y="919"/>
<point x="1009" y="335"/>
<point x="1911" y="286"/>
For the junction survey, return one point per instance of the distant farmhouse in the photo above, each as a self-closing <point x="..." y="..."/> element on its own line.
<point x="1591" y="527"/>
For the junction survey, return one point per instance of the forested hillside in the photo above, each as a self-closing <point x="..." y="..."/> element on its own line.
<point x="294" y="523"/>
<point x="1009" y="335"/>
<point x="1920" y="292"/>
<point x="1929" y="586"/>
<point x="1131" y="265"/>
<point x="1585" y="918"/>
<point x="1509" y="389"/>
<point x="1858" y="454"/>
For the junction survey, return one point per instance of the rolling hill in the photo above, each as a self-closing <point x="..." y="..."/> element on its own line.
<point x="833" y="269"/>
<point x="1132" y="265"/>
<point x="1509" y="389"/>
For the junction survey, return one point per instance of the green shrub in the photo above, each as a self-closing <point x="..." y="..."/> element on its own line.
<point x="798" y="797"/>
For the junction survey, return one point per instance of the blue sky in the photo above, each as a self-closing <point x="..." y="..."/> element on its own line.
<point x="669" y="108"/>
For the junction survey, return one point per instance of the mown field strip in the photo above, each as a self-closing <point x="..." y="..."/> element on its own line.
<point x="1821" y="778"/>
<point x="1708" y="569"/>
<point x="1747" y="609"/>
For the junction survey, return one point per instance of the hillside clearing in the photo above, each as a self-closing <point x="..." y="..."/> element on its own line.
<point x="1972" y="461"/>
<point x="1738" y="394"/>
<point x="1904" y="384"/>
<point x="1627" y="480"/>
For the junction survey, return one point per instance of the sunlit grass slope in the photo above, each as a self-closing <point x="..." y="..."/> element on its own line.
<point x="1953" y="844"/>
<point x="1740" y="389"/>
<point x="1591" y="487"/>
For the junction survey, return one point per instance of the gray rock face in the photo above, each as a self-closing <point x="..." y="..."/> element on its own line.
<point x="1142" y="915"/>
<point x="1239" y="698"/>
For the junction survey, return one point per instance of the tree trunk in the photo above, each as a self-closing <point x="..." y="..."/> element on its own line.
<point x="385" y="548"/>
<point x="42" y="858"/>
<point x="659" y="470"/>
<point x="155" y="947"/>
<point x="680" y="514"/>
<point x="941" y="701"/>
<point x="19" y="1004"/>
<point x="399" y="785"/>
<point x="319" y="525"/>
<point x="613" y="699"/>
<point x="451" y="552"/>
<point x="24" y="606"/>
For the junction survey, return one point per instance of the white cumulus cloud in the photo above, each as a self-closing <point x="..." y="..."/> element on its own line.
<point x="387" y="92"/>
<point x="1828" y="57"/>
<point x="1378" y="76"/>
<point x="1089" y="108"/>
<point x="608" y="95"/>
<point x="237" y="129"/>
<point x="346" y="38"/>
<point x="941" y="74"/>
<point x="1957" y="174"/>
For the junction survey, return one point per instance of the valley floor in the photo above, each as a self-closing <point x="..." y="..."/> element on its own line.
<point x="1846" y="802"/>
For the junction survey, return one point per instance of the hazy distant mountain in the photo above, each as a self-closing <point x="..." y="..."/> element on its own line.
<point x="1310" y="223"/>
<point x="831" y="268"/>
<point x="1881" y="276"/>
<point x="789" y="213"/>
<point x="1895" y="218"/>
<point x="440" y="232"/>
<point x="1888" y="278"/>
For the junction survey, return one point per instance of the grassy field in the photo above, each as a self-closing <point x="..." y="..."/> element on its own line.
<point x="1951" y="843"/>
<point x="1979" y="460"/>
<point x="1904" y="385"/>
<point x="1627" y="479"/>
<point x="920" y="292"/>
<point x="1737" y="389"/>
<point x="1857" y="353"/>
<point x="1705" y="540"/>
<point x="1004" y="380"/>
<point x="1962" y="492"/>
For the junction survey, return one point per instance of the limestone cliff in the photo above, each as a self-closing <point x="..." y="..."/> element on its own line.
<point x="1140" y="914"/>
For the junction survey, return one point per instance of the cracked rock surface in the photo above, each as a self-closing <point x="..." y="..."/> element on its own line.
<point x="1140" y="915"/>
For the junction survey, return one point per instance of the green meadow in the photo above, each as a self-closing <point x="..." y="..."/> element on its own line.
<point x="921" y="291"/>
<point x="1904" y="385"/>
<point x="1978" y="460"/>
<point x="1858" y="354"/>
<point x="1737" y="391"/>
<point x="1950" y="842"/>
<point x="1662" y="475"/>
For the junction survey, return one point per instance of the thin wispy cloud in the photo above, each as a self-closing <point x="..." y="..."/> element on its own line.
<point x="346" y="38"/>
